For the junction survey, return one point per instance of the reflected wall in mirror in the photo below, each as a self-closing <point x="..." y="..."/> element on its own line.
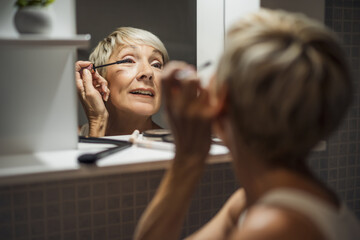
<point x="174" y="22"/>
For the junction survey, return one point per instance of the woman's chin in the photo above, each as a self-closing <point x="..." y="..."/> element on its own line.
<point x="144" y="110"/>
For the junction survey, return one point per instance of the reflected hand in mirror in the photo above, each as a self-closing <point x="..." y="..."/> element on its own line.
<point x="93" y="92"/>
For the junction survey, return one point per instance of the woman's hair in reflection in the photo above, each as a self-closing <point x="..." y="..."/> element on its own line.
<point x="124" y="36"/>
<point x="289" y="84"/>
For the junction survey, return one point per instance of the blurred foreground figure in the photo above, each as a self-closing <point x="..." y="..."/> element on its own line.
<point x="281" y="86"/>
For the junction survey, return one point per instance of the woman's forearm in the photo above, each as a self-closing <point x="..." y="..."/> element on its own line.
<point x="97" y="126"/>
<point x="165" y="214"/>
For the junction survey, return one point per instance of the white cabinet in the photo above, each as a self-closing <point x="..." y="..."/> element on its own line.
<point x="38" y="104"/>
<point x="38" y="99"/>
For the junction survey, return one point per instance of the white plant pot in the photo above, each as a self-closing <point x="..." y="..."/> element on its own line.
<point x="34" y="20"/>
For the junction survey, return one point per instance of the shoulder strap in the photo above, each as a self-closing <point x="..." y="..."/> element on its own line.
<point x="333" y="223"/>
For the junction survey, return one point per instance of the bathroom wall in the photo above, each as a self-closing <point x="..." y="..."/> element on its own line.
<point x="108" y="207"/>
<point x="339" y="165"/>
<point x="102" y="207"/>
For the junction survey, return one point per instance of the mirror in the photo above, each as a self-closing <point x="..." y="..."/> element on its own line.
<point x="173" y="21"/>
<point x="176" y="23"/>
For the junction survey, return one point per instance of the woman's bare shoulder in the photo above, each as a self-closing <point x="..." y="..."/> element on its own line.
<point x="272" y="222"/>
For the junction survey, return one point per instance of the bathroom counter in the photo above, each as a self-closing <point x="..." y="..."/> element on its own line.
<point x="54" y="165"/>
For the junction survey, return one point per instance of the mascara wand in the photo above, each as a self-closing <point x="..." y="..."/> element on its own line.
<point x="105" y="65"/>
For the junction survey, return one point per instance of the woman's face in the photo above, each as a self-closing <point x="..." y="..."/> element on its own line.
<point x="135" y="85"/>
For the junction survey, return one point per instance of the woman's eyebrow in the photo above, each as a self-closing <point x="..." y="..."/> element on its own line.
<point x="126" y="50"/>
<point x="157" y="52"/>
<point x="128" y="47"/>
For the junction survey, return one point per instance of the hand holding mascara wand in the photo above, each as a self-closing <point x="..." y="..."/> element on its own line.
<point x="98" y="81"/>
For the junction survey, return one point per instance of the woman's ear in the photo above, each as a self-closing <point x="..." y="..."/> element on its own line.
<point x="221" y="101"/>
<point x="220" y="106"/>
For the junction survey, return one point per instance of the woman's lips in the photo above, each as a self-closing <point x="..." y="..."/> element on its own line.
<point x="143" y="92"/>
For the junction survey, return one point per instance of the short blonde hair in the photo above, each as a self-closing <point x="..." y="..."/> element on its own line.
<point x="124" y="36"/>
<point x="289" y="84"/>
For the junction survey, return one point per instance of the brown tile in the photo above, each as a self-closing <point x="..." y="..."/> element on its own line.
<point x="53" y="225"/>
<point x="113" y="188"/>
<point x="5" y="200"/>
<point x="113" y="202"/>
<point x="84" y="206"/>
<point x="114" y="232"/>
<point x="68" y="193"/>
<point x="99" y="233"/>
<point x="21" y="230"/>
<point x="127" y="185"/>
<point x="54" y="236"/>
<point x="127" y="230"/>
<point x="99" y="204"/>
<point x="85" y="234"/>
<point x="141" y="199"/>
<point x="141" y="184"/>
<point x="37" y="197"/>
<point x="68" y="208"/>
<point x="84" y="221"/>
<point x="20" y="215"/>
<point x="99" y="189"/>
<point x="37" y="213"/>
<point x="53" y="210"/>
<point x="69" y="223"/>
<point x="127" y="201"/>
<point x="99" y="219"/>
<point x="114" y="217"/>
<point x="52" y="195"/>
<point x="6" y="232"/>
<point x="127" y="215"/>
<point x="83" y="191"/>
<point x="70" y="235"/>
<point x="37" y="227"/>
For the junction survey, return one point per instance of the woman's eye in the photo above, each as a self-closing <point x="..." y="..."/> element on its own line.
<point x="127" y="60"/>
<point x="157" y="65"/>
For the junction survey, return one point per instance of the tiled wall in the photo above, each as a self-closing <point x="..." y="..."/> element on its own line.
<point x="339" y="166"/>
<point x="108" y="207"/>
<point x="105" y="207"/>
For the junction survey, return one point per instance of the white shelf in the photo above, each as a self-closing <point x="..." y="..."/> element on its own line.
<point x="79" y="41"/>
<point x="51" y="165"/>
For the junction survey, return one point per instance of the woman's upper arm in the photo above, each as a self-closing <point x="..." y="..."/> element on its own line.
<point x="225" y="220"/>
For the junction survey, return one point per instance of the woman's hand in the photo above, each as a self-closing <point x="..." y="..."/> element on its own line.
<point x="189" y="113"/>
<point x="93" y="91"/>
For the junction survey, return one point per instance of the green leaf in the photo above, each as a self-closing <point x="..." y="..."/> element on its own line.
<point x="26" y="3"/>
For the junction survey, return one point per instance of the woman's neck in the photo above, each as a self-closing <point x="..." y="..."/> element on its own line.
<point x="257" y="179"/>
<point x="121" y="123"/>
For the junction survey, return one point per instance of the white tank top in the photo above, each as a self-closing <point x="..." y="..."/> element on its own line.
<point x="334" y="224"/>
<point x="84" y="130"/>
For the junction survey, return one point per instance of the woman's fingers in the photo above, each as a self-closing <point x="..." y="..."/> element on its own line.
<point x="103" y="89"/>
<point x="87" y="81"/>
<point x="79" y="65"/>
<point x="171" y="85"/>
<point x="79" y="84"/>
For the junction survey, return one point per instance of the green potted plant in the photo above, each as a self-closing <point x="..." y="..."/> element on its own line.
<point x="33" y="16"/>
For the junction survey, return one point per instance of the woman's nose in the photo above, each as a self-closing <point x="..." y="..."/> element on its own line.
<point x="145" y="72"/>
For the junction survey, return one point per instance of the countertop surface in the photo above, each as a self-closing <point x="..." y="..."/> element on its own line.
<point x="49" y="165"/>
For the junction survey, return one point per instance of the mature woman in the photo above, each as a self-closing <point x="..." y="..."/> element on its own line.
<point x="120" y="98"/>
<point x="282" y="85"/>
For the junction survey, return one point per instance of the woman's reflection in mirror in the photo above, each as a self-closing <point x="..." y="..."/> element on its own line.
<point x="120" y="98"/>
